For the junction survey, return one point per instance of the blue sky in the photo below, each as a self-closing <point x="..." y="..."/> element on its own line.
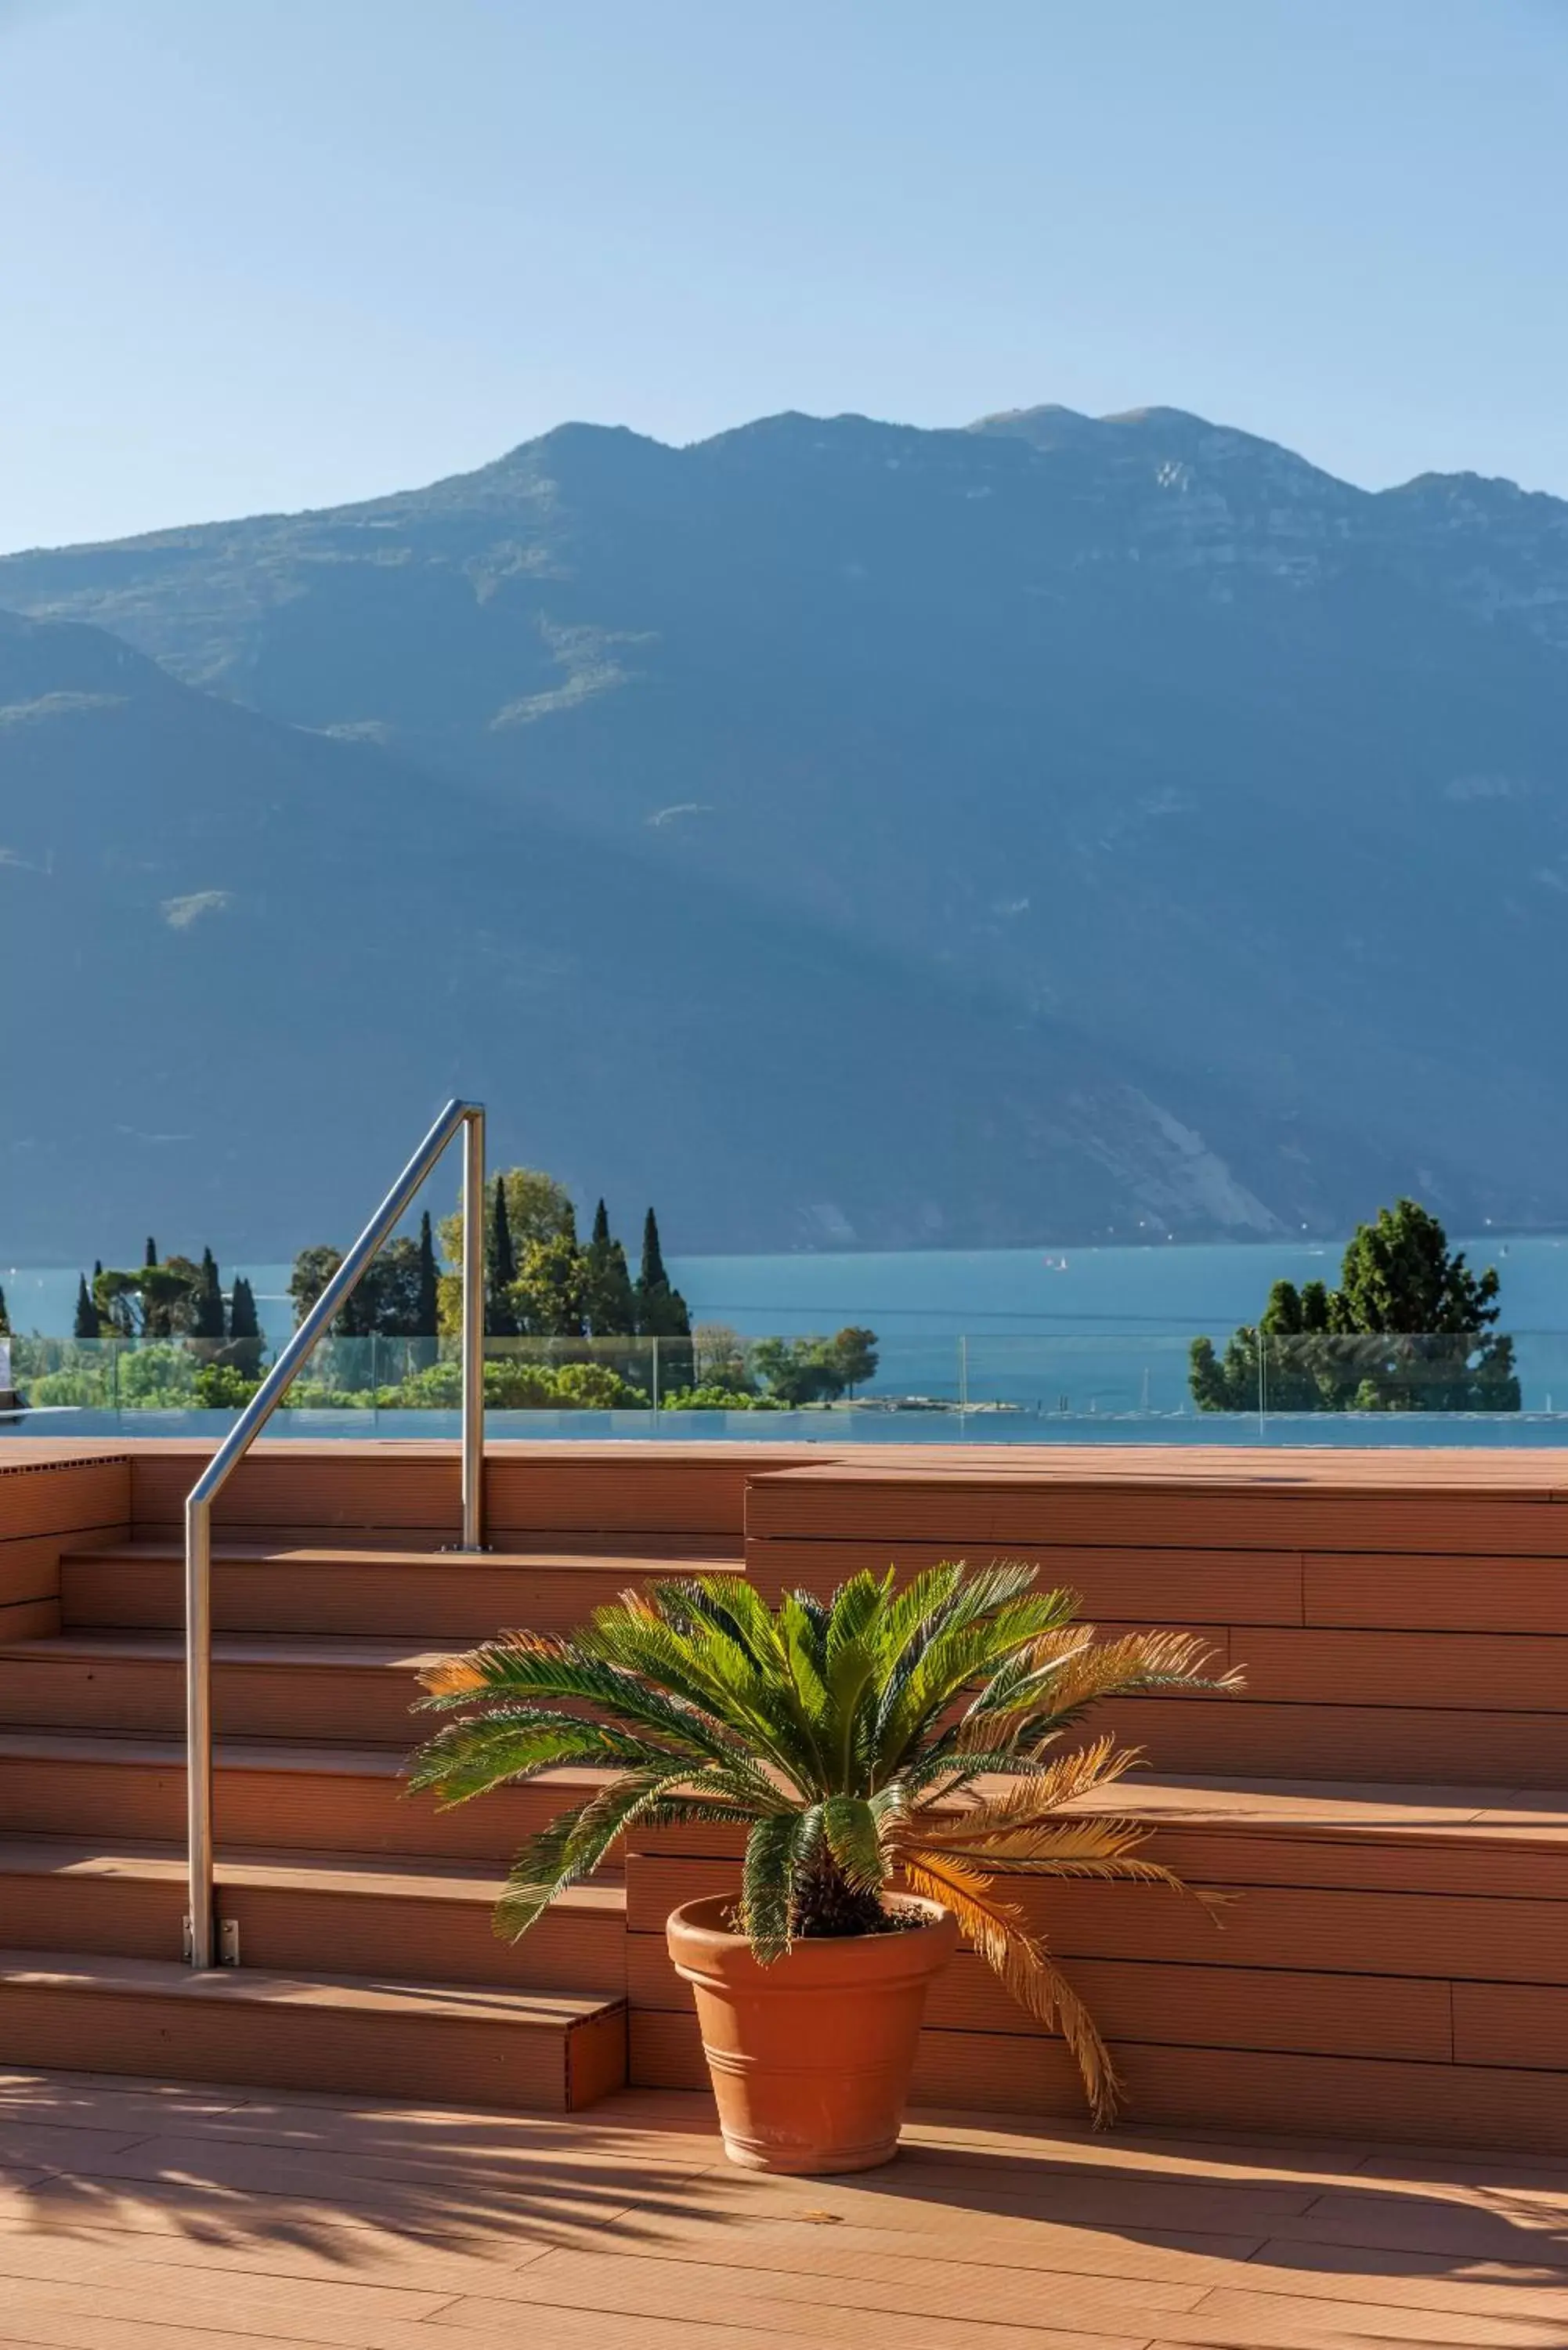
<point x="267" y="254"/>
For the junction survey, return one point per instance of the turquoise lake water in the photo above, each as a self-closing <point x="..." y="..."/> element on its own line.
<point x="921" y="1294"/>
<point x="1037" y="1343"/>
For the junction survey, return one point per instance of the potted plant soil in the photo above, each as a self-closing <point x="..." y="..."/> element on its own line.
<point x="882" y="1751"/>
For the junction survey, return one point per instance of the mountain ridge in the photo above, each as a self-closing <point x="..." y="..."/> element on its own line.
<point x="1131" y="749"/>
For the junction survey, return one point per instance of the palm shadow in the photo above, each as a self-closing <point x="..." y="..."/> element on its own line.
<point x="366" y="2188"/>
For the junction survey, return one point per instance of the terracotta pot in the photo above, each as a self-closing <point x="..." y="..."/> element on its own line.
<point x="811" y="2058"/>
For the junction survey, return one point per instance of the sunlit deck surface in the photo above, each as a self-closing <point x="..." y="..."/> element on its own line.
<point x="147" y="2216"/>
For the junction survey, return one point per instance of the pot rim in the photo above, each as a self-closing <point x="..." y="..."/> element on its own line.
<point x="686" y="1914"/>
<point x="704" y="1951"/>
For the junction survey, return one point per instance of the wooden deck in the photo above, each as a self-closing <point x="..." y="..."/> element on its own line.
<point x="146" y="2215"/>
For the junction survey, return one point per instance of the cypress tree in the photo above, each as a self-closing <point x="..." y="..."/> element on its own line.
<point x="207" y="1313"/>
<point x="651" y="1274"/>
<point x="607" y="1299"/>
<point x="504" y="1255"/>
<point x="244" y="1328"/>
<point x="4" y="1317"/>
<point x="86" y="1323"/>
<point x="661" y="1312"/>
<point x="501" y="1270"/>
<point x="428" y="1282"/>
<point x="151" y="1255"/>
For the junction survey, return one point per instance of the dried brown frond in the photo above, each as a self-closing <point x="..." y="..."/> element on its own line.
<point x="1024" y="1967"/>
<point x="452" y="1677"/>
<point x="1106" y="1667"/>
<point x="1080" y="1773"/>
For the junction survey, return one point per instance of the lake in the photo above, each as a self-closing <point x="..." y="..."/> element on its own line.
<point x="1064" y="1333"/>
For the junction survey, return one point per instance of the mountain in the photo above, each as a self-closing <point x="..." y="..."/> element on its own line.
<point x="996" y="834"/>
<point x="245" y="962"/>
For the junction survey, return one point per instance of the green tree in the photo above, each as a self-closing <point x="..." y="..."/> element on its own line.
<point x="815" y="1370"/>
<point x="1410" y="1328"/>
<point x="651" y="1274"/>
<point x="389" y="1295"/>
<point x="312" y="1269"/>
<point x="798" y="1370"/>
<point x="537" y="1208"/>
<point x="500" y="1268"/>
<point x="149" y="1255"/>
<point x="4" y="1316"/>
<point x="547" y="1299"/>
<point x="207" y="1306"/>
<point x="428" y="1299"/>
<point x="245" y="1347"/>
<point x="661" y="1312"/>
<point x="118" y="1295"/>
<point x="608" y="1305"/>
<point x="385" y="1302"/>
<point x="721" y="1359"/>
<point x="170" y="1291"/>
<point x="86" y="1323"/>
<point x="148" y="1301"/>
<point x="855" y="1353"/>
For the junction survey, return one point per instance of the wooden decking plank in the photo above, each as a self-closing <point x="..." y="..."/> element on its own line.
<point x="333" y="2222"/>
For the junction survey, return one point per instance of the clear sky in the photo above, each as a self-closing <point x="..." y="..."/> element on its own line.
<point x="268" y="254"/>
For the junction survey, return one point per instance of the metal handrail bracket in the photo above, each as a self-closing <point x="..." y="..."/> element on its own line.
<point x="201" y="1926"/>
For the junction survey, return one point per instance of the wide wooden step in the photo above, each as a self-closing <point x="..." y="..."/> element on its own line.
<point x="1399" y="1663"/>
<point x="362" y="1913"/>
<point x="1388" y="1959"/>
<point x="264" y="1685"/>
<point x="360" y="1591"/>
<point x="1315" y="1737"/>
<point x="446" y="2042"/>
<point x="694" y="1491"/>
<point x="296" y="1797"/>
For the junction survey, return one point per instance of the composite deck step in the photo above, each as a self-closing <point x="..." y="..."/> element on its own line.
<point x="321" y="1798"/>
<point x="615" y="1492"/>
<point x="264" y="1685"/>
<point x="1397" y="1707"/>
<point x="362" y="1590"/>
<point x="364" y="1913"/>
<point x="1389" y="1959"/>
<point x="449" y="2042"/>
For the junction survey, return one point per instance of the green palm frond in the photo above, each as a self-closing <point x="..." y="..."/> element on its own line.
<point x="777" y="1852"/>
<point x="521" y="1668"/>
<point x="853" y="1837"/>
<point x="469" y="1759"/>
<point x="926" y="1733"/>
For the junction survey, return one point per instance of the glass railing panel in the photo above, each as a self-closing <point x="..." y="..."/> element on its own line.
<point x="1052" y="1382"/>
<point x="1306" y="1387"/>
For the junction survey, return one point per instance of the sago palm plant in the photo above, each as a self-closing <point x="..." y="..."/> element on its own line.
<point x="885" y="1737"/>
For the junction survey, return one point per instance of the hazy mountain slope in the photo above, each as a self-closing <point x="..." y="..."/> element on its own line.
<point x="1151" y="729"/>
<point x="243" y="963"/>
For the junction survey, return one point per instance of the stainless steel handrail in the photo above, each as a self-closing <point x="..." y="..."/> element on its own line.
<point x="200" y="1925"/>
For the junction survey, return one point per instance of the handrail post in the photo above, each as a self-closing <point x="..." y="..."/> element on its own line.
<point x="473" y="1329"/>
<point x="202" y="1935"/>
<point x="201" y="1926"/>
